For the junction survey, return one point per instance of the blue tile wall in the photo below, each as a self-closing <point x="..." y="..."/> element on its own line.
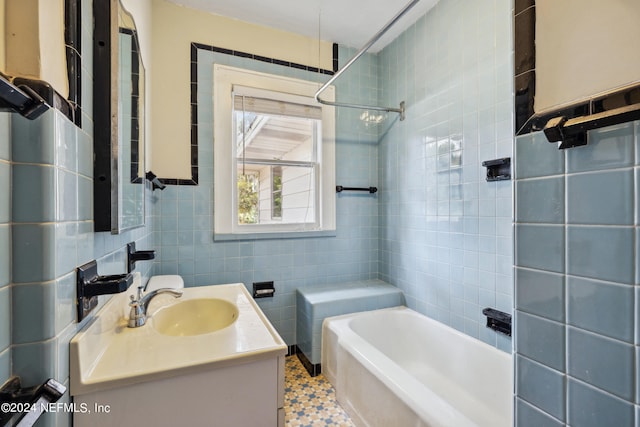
<point x="540" y="293"/>
<point x="601" y="253"/>
<point x="541" y="201"/>
<point x="446" y="237"/>
<point x="613" y="302"/>
<point x="5" y="246"/>
<point x="601" y="198"/>
<point x="603" y="362"/>
<point x="540" y="247"/>
<point x="590" y="407"/>
<point x="5" y="196"/>
<point x="5" y="332"/>
<point x="49" y="242"/>
<point x="46" y="231"/>
<point x="530" y="416"/>
<point x="541" y="387"/>
<point x="579" y="274"/>
<point x="185" y="233"/>
<point x="541" y="340"/>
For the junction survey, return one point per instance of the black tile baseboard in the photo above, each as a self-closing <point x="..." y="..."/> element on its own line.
<point x="312" y="369"/>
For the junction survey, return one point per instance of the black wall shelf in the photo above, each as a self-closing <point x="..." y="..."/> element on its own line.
<point x="498" y="169"/>
<point x="572" y="132"/>
<point x="497" y="320"/>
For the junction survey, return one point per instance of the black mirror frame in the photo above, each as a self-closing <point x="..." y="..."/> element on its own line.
<point x="105" y="118"/>
<point x="105" y="110"/>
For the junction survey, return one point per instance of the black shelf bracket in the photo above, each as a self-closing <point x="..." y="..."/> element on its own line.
<point x="134" y="256"/>
<point x="89" y="285"/>
<point x="21" y="99"/>
<point x="33" y="401"/>
<point x="573" y="132"/>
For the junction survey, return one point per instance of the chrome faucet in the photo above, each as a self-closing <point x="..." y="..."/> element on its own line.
<point x="138" y="313"/>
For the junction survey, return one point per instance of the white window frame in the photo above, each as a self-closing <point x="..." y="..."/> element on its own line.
<point x="225" y="224"/>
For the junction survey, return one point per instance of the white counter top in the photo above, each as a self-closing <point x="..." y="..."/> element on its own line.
<point x="107" y="354"/>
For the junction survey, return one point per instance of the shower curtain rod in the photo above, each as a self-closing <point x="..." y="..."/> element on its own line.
<point x="366" y="47"/>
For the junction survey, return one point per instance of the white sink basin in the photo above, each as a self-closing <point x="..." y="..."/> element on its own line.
<point x="194" y="317"/>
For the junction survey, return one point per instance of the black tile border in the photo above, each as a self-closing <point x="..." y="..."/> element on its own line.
<point x="135" y="102"/>
<point x="292" y="349"/>
<point x="524" y="62"/>
<point x="195" y="47"/>
<point x="241" y="54"/>
<point x="73" y="42"/>
<point x="521" y="5"/>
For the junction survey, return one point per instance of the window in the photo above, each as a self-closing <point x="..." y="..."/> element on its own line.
<point x="274" y="155"/>
<point x="276" y="142"/>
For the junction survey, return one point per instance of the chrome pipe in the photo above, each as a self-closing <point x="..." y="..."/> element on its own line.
<point x="366" y="47"/>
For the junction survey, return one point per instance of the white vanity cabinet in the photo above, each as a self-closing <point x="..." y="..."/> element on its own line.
<point x="232" y="377"/>
<point x="246" y="394"/>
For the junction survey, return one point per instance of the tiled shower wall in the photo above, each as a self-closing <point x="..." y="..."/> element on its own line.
<point x="185" y="234"/>
<point x="446" y="234"/>
<point x="577" y="270"/>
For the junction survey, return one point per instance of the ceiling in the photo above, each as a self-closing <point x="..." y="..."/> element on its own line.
<point x="347" y="22"/>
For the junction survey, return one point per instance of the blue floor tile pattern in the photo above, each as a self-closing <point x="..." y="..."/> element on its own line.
<point x="310" y="401"/>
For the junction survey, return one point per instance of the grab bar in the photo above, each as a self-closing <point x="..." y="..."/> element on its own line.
<point x="366" y="47"/>
<point x="340" y="189"/>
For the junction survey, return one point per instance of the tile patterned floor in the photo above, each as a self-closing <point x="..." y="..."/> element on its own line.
<point x="310" y="401"/>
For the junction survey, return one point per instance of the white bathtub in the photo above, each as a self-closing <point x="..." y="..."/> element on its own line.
<point x="396" y="367"/>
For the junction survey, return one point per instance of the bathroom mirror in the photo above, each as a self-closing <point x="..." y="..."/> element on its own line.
<point x="118" y="109"/>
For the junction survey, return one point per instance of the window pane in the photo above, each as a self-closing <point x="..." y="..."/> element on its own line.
<point x="248" y="190"/>
<point x="276" y="160"/>
<point x="266" y="137"/>
<point x="274" y="194"/>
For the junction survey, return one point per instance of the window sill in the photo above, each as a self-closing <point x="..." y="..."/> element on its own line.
<point x="273" y="236"/>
